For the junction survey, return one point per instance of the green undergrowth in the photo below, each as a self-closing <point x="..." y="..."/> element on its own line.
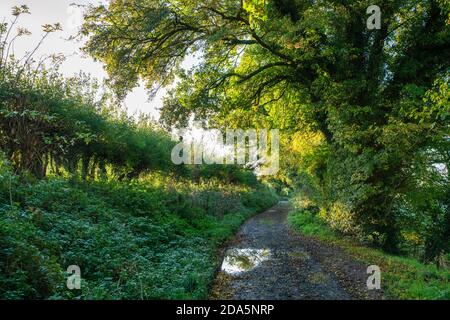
<point x="402" y="277"/>
<point x="149" y="239"/>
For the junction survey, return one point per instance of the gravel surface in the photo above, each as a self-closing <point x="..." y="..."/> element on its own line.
<point x="266" y="260"/>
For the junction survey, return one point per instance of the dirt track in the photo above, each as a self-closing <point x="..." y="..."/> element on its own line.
<point x="268" y="261"/>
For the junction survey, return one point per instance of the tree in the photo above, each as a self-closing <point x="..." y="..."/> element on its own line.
<point x="314" y="61"/>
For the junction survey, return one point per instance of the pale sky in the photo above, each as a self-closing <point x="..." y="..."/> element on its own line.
<point x="52" y="11"/>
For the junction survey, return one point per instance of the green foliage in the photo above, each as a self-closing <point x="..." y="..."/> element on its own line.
<point x="72" y="131"/>
<point x="131" y="240"/>
<point x="49" y="123"/>
<point x="309" y="225"/>
<point x="364" y="119"/>
<point x="378" y="98"/>
<point x="83" y="184"/>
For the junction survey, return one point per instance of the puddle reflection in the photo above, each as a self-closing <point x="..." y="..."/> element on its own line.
<point x="242" y="260"/>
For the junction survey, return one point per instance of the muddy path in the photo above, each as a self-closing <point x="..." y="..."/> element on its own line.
<point x="269" y="261"/>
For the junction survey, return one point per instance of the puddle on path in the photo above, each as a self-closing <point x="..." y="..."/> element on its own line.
<point x="242" y="260"/>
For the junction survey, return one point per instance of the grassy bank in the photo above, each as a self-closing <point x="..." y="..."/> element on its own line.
<point x="402" y="277"/>
<point x="155" y="238"/>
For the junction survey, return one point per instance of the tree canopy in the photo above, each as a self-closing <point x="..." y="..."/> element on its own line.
<point x="301" y="66"/>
